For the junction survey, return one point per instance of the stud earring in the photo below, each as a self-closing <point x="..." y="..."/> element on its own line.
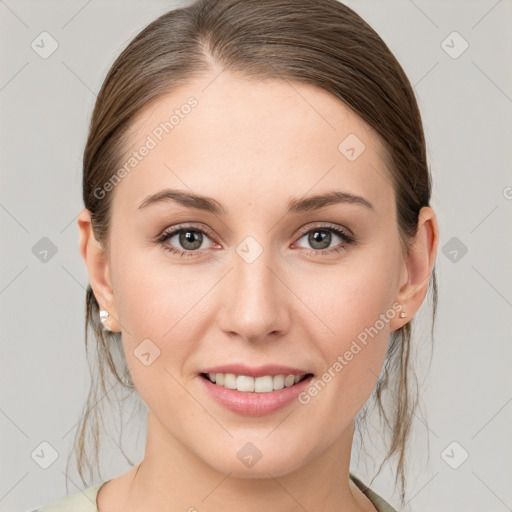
<point x="103" y="318"/>
<point x="403" y="314"/>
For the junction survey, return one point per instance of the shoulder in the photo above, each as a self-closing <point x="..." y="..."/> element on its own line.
<point x="379" y="503"/>
<point x="81" y="501"/>
<point x="85" y="501"/>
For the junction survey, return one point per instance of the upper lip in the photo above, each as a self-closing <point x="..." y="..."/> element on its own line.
<point x="259" y="371"/>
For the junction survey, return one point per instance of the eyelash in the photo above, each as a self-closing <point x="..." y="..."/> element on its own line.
<point x="347" y="239"/>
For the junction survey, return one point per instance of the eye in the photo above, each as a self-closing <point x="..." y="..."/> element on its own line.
<point x="190" y="238"/>
<point x="321" y="237"/>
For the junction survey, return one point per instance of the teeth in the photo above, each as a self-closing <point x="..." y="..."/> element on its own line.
<point x="278" y="381"/>
<point x="289" y="381"/>
<point x="245" y="383"/>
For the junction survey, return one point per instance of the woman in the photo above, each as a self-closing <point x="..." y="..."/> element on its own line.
<point x="258" y="236"/>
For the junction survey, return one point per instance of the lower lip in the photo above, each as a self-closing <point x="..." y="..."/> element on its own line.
<point x="252" y="403"/>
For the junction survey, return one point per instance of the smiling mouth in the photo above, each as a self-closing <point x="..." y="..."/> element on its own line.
<point x="248" y="384"/>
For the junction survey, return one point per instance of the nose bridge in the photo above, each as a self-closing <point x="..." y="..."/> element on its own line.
<point x="252" y="272"/>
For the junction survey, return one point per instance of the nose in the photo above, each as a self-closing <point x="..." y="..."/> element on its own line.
<point x="255" y="300"/>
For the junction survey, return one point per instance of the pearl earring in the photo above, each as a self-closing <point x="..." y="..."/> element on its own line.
<point x="103" y="318"/>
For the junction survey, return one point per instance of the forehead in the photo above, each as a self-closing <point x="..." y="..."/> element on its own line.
<point x="224" y="134"/>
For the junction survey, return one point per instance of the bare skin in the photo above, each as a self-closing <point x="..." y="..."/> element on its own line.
<point x="253" y="147"/>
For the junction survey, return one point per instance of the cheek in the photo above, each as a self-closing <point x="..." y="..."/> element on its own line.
<point x="344" y="302"/>
<point x="154" y="297"/>
<point x="351" y="329"/>
<point x="163" y="313"/>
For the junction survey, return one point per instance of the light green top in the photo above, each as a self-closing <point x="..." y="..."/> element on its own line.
<point x="85" y="501"/>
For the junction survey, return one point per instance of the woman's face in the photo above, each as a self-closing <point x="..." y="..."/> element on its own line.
<point x="265" y="280"/>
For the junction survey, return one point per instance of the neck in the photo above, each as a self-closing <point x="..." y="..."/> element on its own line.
<point x="173" y="478"/>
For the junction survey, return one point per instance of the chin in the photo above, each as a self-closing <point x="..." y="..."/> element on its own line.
<point x="258" y="459"/>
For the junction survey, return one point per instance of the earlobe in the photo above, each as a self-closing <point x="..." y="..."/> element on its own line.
<point x="98" y="267"/>
<point x="420" y="263"/>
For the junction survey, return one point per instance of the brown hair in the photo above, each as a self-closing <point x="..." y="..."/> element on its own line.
<point x="317" y="42"/>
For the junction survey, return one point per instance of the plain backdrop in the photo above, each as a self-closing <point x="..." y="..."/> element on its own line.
<point x="463" y="460"/>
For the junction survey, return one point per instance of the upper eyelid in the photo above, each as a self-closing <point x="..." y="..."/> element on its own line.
<point x="327" y="226"/>
<point x="193" y="227"/>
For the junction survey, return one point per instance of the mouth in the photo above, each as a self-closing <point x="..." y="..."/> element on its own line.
<point x="249" y="384"/>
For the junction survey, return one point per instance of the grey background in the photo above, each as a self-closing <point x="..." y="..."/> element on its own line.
<point x="466" y="103"/>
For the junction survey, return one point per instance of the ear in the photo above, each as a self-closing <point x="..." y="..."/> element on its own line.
<point x="418" y="266"/>
<point x="98" y="267"/>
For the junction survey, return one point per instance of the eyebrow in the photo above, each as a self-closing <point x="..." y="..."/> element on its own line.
<point x="211" y="205"/>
